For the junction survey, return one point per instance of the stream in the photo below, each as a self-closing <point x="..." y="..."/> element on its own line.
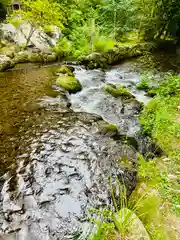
<point x="56" y="159"/>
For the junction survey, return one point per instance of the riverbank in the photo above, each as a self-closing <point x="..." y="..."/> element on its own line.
<point x="11" y="55"/>
<point x="155" y="203"/>
<point x="46" y="133"/>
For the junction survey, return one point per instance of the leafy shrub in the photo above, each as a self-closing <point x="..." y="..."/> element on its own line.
<point x="80" y="39"/>
<point x="143" y="85"/>
<point x="159" y="117"/>
<point x="170" y="87"/>
<point x="102" y="44"/>
<point x="63" y="48"/>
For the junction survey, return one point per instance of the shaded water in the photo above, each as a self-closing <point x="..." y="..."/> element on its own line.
<point x="59" y="158"/>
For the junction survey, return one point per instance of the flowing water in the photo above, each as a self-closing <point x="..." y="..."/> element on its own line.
<point x="56" y="160"/>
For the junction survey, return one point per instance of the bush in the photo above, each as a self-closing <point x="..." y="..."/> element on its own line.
<point x="143" y="85"/>
<point x="102" y="44"/>
<point x="160" y="116"/>
<point x="80" y="39"/>
<point x="170" y="87"/>
<point x="63" y="48"/>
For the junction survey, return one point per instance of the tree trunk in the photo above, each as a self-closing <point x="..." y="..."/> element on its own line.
<point x="32" y="30"/>
<point x="115" y="16"/>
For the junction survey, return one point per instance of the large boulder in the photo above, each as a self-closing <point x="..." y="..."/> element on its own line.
<point x="69" y="83"/>
<point x="19" y="36"/>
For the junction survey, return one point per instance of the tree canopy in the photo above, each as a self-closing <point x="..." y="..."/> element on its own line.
<point x="89" y="23"/>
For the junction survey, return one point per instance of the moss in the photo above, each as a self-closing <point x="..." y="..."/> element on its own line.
<point x="111" y="128"/>
<point x="152" y="93"/>
<point x="68" y="70"/>
<point x="143" y="85"/>
<point x="35" y="57"/>
<point x="50" y="58"/>
<point x="105" y="127"/>
<point x="21" y="57"/>
<point x="118" y="91"/>
<point x="69" y="83"/>
<point x="160" y="117"/>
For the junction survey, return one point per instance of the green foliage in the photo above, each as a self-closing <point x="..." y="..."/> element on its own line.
<point x="154" y="25"/>
<point x="116" y="18"/>
<point x="80" y="39"/>
<point x="160" y="117"/>
<point x="102" y="43"/>
<point x="148" y="171"/>
<point x="143" y="209"/>
<point x="63" y="48"/>
<point x="38" y="14"/>
<point x="170" y="87"/>
<point x="143" y="85"/>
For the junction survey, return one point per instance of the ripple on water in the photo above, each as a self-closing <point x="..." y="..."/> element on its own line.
<point x="61" y="159"/>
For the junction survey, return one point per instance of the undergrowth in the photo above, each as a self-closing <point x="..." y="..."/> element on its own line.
<point x="161" y="120"/>
<point x="161" y="117"/>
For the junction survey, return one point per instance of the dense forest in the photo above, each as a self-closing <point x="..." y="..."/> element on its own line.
<point x="101" y="24"/>
<point x="89" y="35"/>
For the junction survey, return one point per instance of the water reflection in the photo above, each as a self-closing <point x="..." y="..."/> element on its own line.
<point x="19" y="91"/>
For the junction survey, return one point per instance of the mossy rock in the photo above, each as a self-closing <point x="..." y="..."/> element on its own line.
<point x="35" y="57"/>
<point x="21" y="57"/>
<point x="68" y="70"/>
<point x="50" y="58"/>
<point x="69" y="83"/>
<point x="107" y="128"/>
<point x="118" y="91"/>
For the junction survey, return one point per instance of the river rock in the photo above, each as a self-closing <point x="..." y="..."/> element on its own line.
<point x="118" y="90"/>
<point x="5" y="62"/>
<point x="22" y="57"/>
<point x="68" y="170"/>
<point x="35" y="57"/>
<point x="134" y="227"/>
<point x="49" y="58"/>
<point x="69" y="83"/>
<point x="117" y="54"/>
<point x="65" y="69"/>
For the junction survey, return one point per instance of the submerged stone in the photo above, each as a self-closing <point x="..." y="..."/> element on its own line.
<point x="69" y="83"/>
